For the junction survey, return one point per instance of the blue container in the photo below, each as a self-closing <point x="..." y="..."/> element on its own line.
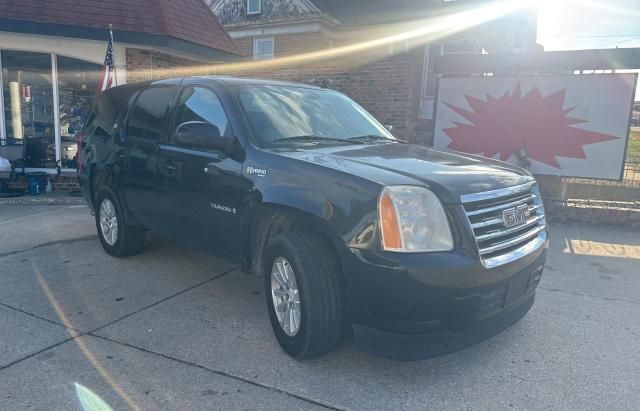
<point x="37" y="182"/>
<point x="34" y="188"/>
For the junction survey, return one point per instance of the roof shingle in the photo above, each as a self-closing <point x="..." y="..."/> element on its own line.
<point x="189" y="20"/>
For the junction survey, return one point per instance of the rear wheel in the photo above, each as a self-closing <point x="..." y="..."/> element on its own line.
<point x="117" y="238"/>
<point x="304" y="295"/>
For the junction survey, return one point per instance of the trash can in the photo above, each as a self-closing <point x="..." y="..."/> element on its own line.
<point x="37" y="182"/>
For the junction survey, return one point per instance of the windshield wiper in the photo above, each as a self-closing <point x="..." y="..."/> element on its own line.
<point x="313" y="138"/>
<point x="375" y="137"/>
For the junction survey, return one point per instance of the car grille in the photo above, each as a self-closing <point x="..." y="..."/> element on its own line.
<point x="497" y="243"/>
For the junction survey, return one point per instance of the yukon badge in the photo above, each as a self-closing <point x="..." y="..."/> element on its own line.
<point x="223" y="208"/>
<point x="260" y="172"/>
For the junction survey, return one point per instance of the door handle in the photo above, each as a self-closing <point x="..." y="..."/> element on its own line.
<point x="170" y="168"/>
<point x="212" y="171"/>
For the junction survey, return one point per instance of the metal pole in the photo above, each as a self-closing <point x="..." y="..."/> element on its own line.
<point x="3" y="130"/>
<point x="56" y="110"/>
<point x="113" y="56"/>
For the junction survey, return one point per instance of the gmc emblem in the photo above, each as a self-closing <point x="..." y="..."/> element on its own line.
<point x="515" y="215"/>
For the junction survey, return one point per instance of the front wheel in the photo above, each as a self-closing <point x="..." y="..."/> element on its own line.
<point x="304" y="295"/>
<point x="117" y="238"/>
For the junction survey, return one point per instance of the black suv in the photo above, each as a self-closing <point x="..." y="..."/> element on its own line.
<point x="411" y="251"/>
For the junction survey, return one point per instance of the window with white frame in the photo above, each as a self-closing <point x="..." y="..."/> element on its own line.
<point x="45" y="99"/>
<point x="263" y="49"/>
<point x="254" y="6"/>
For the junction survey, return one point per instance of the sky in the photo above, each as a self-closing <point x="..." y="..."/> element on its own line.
<point x="587" y="24"/>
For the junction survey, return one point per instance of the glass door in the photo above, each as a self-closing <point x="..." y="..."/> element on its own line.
<point x="77" y="89"/>
<point x="28" y="105"/>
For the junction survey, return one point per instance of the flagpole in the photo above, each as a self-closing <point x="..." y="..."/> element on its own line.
<point x="115" y="70"/>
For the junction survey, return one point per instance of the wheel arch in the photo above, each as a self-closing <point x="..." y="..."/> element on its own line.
<point x="270" y="219"/>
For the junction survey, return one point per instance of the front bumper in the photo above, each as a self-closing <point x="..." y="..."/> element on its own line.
<point x="421" y="306"/>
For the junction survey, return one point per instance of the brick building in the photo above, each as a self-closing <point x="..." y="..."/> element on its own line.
<point x="51" y="56"/>
<point x="395" y="82"/>
<point x="51" y="53"/>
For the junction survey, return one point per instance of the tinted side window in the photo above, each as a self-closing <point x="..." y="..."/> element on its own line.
<point x="202" y="105"/>
<point x="148" y="113"/>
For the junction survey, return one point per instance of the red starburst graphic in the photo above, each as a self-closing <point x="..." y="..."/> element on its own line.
<point x="538" y="124"/>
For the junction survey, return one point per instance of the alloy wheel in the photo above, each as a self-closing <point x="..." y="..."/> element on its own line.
<point x="285" y="296"/>
<point x="108" y="222"/>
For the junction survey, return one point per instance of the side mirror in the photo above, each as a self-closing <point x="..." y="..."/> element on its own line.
<point x="389" y="127"/>
<point x="198" y="134"/>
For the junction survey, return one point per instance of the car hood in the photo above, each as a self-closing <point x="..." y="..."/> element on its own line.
<point x="450" y="175"/>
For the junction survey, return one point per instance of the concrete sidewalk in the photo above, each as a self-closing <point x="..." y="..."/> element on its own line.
<point x="175" y="329"/>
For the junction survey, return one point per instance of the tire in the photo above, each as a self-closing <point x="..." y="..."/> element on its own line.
<point x="316" y="273"/>
<point x="125" y="240"/>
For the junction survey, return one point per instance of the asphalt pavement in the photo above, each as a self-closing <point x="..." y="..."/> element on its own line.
<point x="175" y="329"/>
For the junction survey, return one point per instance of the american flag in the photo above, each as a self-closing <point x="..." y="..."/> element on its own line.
<point x="108" y="70"/>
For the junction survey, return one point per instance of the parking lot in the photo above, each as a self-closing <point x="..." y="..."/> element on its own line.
<point x="175" y="329"/>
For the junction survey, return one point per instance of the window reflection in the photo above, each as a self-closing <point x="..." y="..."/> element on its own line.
<point x="77" y="87"/>
<point x="29" y="110"/>
<point x="279" y="112"/>
<point x="28" y="104"/>
<point x="200" y="104"/>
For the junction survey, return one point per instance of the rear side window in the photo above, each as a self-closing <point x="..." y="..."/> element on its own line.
<point x="147" y="115"/>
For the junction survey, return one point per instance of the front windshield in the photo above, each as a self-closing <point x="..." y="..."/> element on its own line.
<point x="279" y="113"/>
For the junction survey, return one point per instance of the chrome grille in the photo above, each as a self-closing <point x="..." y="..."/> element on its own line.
<point x="498" y="243"/>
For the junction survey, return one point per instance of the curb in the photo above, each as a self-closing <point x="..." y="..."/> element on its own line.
<point x="42" y="200"/>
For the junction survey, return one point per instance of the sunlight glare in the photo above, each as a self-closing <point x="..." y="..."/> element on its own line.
<point x="423" y="32"/>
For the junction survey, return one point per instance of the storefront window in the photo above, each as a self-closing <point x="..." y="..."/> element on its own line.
<point x="28" y="105"/>
<point x="27" y="81"/>
<point x="77" y="87"/>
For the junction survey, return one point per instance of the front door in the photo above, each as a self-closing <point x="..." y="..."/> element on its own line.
<point x="199" y="189"/>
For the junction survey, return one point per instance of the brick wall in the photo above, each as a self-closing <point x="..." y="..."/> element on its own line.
<point x="286" y="44"/>
<point x="150" y="64"/>
<point x="65" y="183"/>
<point x="245" y="47"/>
<point x="386" y="85"/>
<point x="62" y="183"/>
<point x="291" y="44"/>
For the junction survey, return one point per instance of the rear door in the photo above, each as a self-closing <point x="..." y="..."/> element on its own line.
<point x="199" y="190"/>
<point x="96" y="138"/>
<point x="144" y="130"/>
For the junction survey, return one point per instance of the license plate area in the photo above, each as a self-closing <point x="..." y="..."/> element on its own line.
<point x="516" y="287"/>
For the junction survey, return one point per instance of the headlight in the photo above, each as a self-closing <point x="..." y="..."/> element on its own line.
<point x="412" y="220"/>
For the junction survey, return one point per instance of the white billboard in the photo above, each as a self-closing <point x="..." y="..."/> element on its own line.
<point x="566" y="125"/>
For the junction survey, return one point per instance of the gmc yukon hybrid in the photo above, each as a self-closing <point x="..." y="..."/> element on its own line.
<point x="411" y="251"/>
